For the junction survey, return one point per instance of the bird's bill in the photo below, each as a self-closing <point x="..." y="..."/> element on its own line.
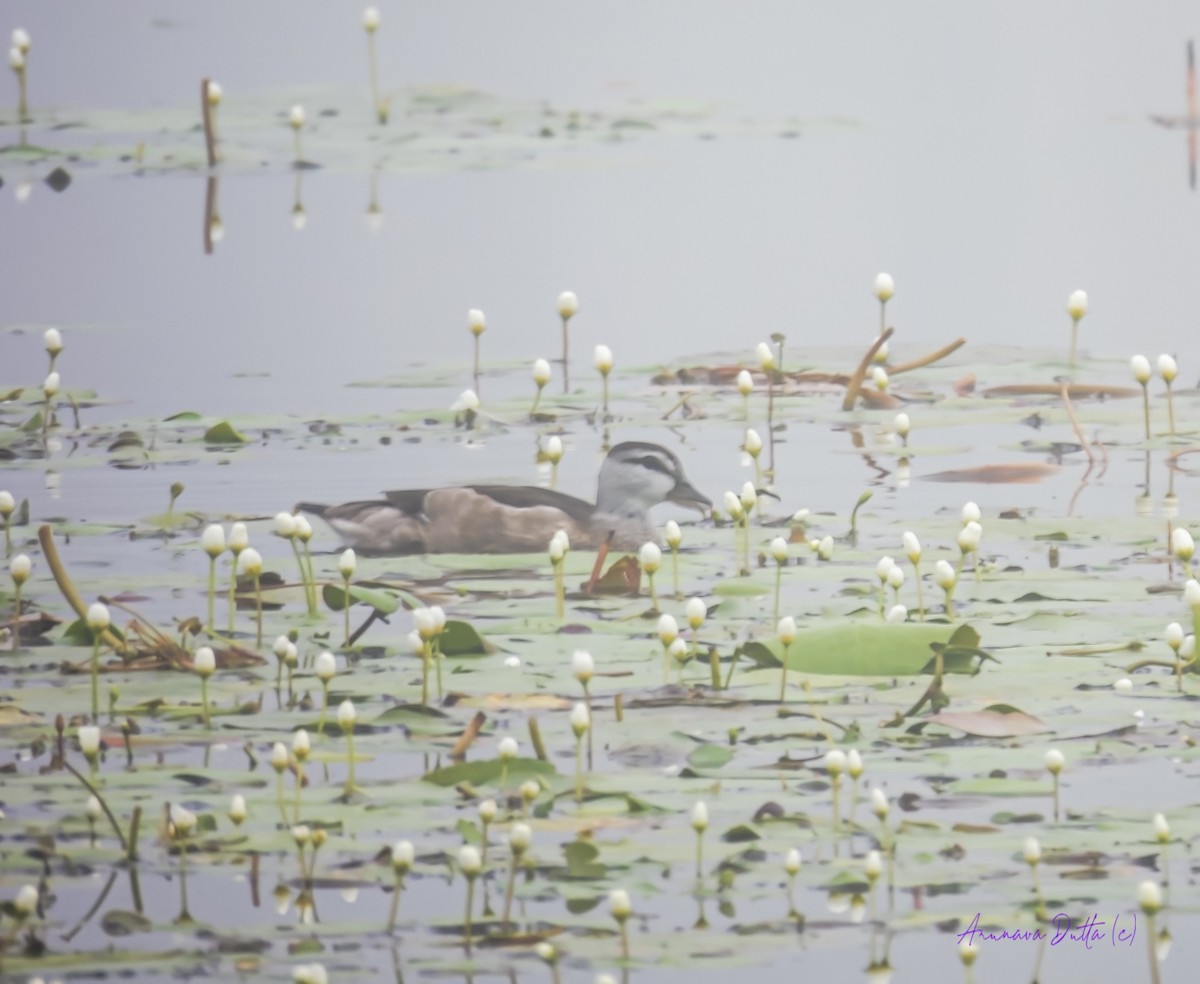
<point x="685" y="494"/>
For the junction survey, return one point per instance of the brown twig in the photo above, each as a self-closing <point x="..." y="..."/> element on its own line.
<point x="925" y="360"/>
<point x="470" y="733"/>
<point x="54" y="562"/>
<point x="860" y="373"/>
<point x="1066" y="398"/>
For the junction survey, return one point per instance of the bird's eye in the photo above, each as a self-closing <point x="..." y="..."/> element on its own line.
<point x="654" y="463"/>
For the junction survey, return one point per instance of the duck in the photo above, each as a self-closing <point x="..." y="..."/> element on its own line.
<point x="497" y="519"/>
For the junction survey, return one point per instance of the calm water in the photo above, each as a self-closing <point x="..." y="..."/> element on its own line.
<point x="992" y="158"/>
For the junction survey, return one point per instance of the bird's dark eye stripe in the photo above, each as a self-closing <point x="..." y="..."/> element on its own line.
<point x="655" y="463"/>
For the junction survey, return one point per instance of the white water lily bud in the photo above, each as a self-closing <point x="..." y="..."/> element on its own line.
<point x="672" y="535"/>
<point x="700" y="817"/>
<point x="1033" y="851"/>
<point x="371" y="20"/>
<point x="507" y="749"/>
<point x="825" y="548"/>
<point x="326" y="667"/>
<point x="7" y="503"/>
<point x="786" y="630"/>
<point x="779" y="550"/>
<point x="580" y="718"/>
<point x="582" y="665"/>
<point x="476" y="322"/>
<point x="554" y="449"/>
<point x="1055" y="761"/>
<point x="16" y="59"/>
<point x="403" y="856"/>
<point x="280" y="646"/>
<point x="1077" y="304"/>
<point x="1123" y="686"/>
<point x="1149" y="897"/>
<point x="313" y="973"/>
<point x="520" y="838"/>
<point x="205" y="663"/>
<point x="745" y="382"/>
<point x="1188" y="649"/>
<point x="279" y="757"/>
<point x="529" y="790"/>
<point x="733" y="506"/>
<point x="969" y="537"/>
<point x="237" y="809"/>
<point x="619" y="905"/>
<point x="346" y="715"/>
<point x="212" y="540"/>
<point x="250" y="562"/>
<point x="678" y="651"/>
<point x="885" y="287"/>
<point x="944" y="574"/>
<point x="895" y="577"/>
<point x="20" y="40"/>
<point x="296" y="116"/>
<point x="26" y="902"/>
<point x="766" y="357"/>
<point x="791" y="862"/>
<point x="1162" y="830"/>
<point x="883" y="568"/>
<point x="668" y="629"/>
<point x="602" y="358"/>
<point x="89" y="740"/>
<point x="301" y="745"/>
<point x="304" y="530"/>
<point x="1182" y="544"/>
<point x="896" y="614"/>
<point x="541" y="372"/>
<point x="1191" y="592"/>
<point x="1174" y="635"/>
<point x="1167" y="368"/>
<point x="285" y="525"/>
<point x="469" y="861"/>
<point x="347" y="563"/>
<point x="468" y="400"/>
<point x="239" y="537"/>
<point x="1140" y="366"/>
<point x="873" y="865"/>
<point x="901" y="424"/>
<point x="182" y="819"/>
<point x="971" y="513"/>
<point x="752" y="443"/>
<point x="52" y="339"/>
<point x="423" y="620"/>
<point x="98" y="618"/>
<point x="214" y="93"/>
<point x="50" y="386"/>
<point x="854" y="763"/>
<point x="749" y="496"/>
<point x="879" y="377"/>
<point x="879" y="803"/>
<point x="912" y="546"/>
<point x="696" y="612"/>
<point x="835" y="761"/>
<point x="301" y="834"/>
<point x="650" y="557"/>
<point x="555" y="550"/>
<point x="487" y="811"/>
<point x="568" y="304"/>
<point x="93" y="809"/>
<point x="967" y="951"/>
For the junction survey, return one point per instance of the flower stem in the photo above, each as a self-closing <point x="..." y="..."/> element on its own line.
<point x="212" y="592"/>
<point x="258" y="610"/>
<point x="204" y="702"/>
<point x="95" y="677"/>
<point x="1146" y="408"/>
<point x="395" y="902"/>
<point x="579" y="769"/>
<point x="783" y="665"/>
<point x="506" y="921"/>
<point x="324" y="708"/>
<point x="350" y="785"/>
<point x="16" y="626"/>
<point x="470" y="906"/>
<point x="920" y="589"/>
